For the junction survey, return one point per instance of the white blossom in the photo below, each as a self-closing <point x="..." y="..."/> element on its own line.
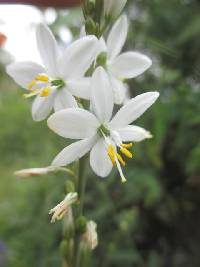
<point x="98" y="131"/>
<point x="122" y="66"/>
<point x="63" y="207"/>
<point x="60" y="78"/>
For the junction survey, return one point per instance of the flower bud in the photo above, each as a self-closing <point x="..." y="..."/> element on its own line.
<point x="113" y="8"/>
<point x="90" y="238"/>
<point x="34" y="172"/>
<point x="63" y="207"/>
<point x="90" y="26"/>
<point x="81" y="224"/>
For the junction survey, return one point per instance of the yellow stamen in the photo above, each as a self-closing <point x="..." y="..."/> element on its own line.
<point x="31" y="84"/>
<point x="42" y="78"/>
<point x="127" y="145"/>
<point x="45" y="91"/>
<point x="121" y="159"/>
<point x="111" y="153"/>
<point x="127" y="153"/>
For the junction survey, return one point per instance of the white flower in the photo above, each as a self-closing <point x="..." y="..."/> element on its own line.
<point x="63" y="207"/>
<point x="113" y="8"/>
<point x="122" y="66"/>
<point x="60" y="78"/>
<point x="98" y="132"/>
<point x="90" y="237"/>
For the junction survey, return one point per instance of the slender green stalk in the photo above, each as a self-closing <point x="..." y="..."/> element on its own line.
<point x="81" y="183"/>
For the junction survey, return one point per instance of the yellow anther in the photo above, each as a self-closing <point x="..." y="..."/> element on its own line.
<point x="42" y="78"/>
<point x="121" y="159"/>
<point x="45" y="91"/>
<point x="111" y="153"/>
<point x="127" y="153"/>
<point x="127" y="145"/>
<point x="124" y="180"/>
<point x="31" y="84"/>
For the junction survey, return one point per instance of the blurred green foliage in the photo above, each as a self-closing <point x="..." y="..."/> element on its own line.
<point x="153" y="220"/>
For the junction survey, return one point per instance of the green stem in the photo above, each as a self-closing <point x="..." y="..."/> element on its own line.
<point x="81" y="183"/>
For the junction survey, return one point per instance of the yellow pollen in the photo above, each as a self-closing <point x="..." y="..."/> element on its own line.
<point x="31" y="84"/>
<point x="42" y="78"/>
<point x="127" y="145"/>
<point x="45" y="91"/>
<point x="121" y="159"/>
<point x="127" y="153"/>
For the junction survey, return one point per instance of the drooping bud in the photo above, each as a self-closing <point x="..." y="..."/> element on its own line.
<point x="35" y="172"/>
<point x="90" y="238"/>
<point x="63" y="207"/>
<point x="113" y="8"/>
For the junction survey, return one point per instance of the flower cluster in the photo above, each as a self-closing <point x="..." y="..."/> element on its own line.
<point x="66" y="77"/>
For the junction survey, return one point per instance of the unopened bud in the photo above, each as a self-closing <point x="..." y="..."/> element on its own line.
<point x="81" y="224"/>
<point x="90" y="26"/>
<point x="34" y="172"/>
<point x="90" y="238"/>
<point x="113" y="8"/>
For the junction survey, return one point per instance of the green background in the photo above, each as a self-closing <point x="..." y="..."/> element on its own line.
<point x="153" y="220"/>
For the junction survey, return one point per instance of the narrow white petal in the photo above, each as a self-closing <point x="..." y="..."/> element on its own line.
<point x="117" y="37"/>
<point x="80" y="87"/>
<point x="119" y="90"/>
<point x="78" y="57"/>
<point x="102" y="46"/>
<point x="74" y="152"/>
<point x="24" y="72"/>
<point x="101" y="95"/>
<point x="99" y="159"/>
<point x="64" y="100"/>
<point x="74" y="123"/>
<point x="133" y="109"/>
<point x="133" y="133"/>
<point x="42" y="106"/>
<point x="129" y="65"/>
<point x="48" y="49"/>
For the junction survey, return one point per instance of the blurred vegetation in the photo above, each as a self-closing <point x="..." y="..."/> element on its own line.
<point x="153" y="220"/>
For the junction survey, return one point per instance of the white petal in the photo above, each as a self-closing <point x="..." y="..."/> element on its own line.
<point x="24" y="72"/>
<point x="99" y="160"/>
<point x="119" y="90"/>
<point x="78" y="57"/>
<point x="74" y="123"/>
<point x="80" y="87"/>
<point x="102" y="47"/>
<point x="101" y="95"/>
<point x="74" y="152"/>
<point x="133" y="109"/>
<point x="64" y="100"/>
<point x="48" y="49"/>
<point x="117" y="37"/>
<point x="129" y="65"/>
<point x="133" y="133"/>
<point x="42" y="106"/>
